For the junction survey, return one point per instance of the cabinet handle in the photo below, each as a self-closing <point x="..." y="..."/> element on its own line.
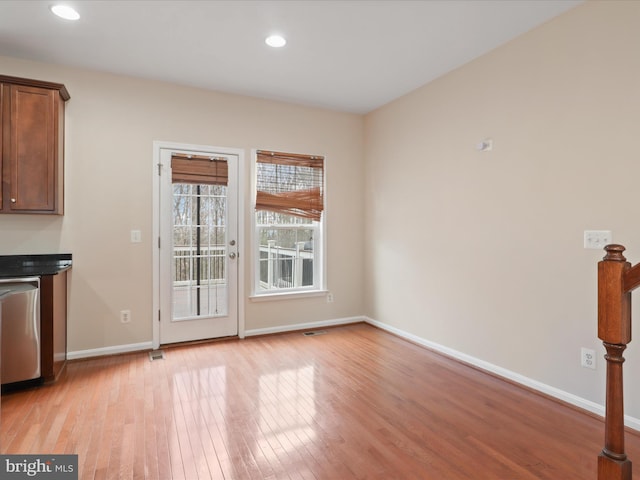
<point x="13" y="200"/>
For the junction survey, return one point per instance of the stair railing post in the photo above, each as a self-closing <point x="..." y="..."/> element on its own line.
<point x="614" y="329"/>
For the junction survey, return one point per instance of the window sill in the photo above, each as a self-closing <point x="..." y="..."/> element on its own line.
<point x="266" y="297"/>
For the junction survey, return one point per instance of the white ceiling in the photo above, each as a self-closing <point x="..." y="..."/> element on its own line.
<point x="349" y="55"/>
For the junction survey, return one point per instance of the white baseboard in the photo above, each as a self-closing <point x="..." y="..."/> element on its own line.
<point x="304" y="326"/>
<point x="100" y="352"/>
<point x="135" y="347"/>
<point x="567" y="397"/>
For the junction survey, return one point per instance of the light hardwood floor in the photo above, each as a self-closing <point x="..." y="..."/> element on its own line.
<point x="356" y="402"/>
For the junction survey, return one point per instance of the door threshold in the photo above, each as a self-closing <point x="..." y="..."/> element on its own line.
<point x="204" y="341"/>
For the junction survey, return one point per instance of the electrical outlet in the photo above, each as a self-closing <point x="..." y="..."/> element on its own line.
<point x="125" y="316"/>
<point x="597" y="238"/>
<point x="329" y="297"/>
<point x="588" y="358"/>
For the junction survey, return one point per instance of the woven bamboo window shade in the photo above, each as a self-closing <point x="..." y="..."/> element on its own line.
<point x="291" y="184"/>
<point x="198" y="169"/>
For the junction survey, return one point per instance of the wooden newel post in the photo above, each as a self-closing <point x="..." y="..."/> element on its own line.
<point x="614" y="329"/>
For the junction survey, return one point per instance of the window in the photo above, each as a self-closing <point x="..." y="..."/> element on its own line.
<point x="288" y="223"/>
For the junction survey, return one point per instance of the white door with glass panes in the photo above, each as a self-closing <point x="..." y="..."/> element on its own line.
<point x="198" y="259"/>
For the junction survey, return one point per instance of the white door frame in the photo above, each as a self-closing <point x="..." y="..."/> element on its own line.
<point x="157" y="146"/>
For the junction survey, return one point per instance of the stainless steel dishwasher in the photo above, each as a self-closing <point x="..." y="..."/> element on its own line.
<point x="20" y="329"/>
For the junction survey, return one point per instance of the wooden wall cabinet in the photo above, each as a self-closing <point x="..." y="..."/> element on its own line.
<point x="32" y="146"/>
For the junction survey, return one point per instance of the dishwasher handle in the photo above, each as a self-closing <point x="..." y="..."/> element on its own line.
<point x="20" y="280"/>
<point x="9" y="286"/>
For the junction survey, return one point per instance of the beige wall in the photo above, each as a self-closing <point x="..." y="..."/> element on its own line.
<point x="111" y="123"/>
<point x="482" y="252"/>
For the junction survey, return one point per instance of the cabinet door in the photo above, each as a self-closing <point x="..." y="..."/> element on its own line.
<point x="3" y="124"/>
<point x="32" y="157"/>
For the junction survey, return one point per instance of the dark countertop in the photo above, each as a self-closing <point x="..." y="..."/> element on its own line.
<point x="15" y="266"/>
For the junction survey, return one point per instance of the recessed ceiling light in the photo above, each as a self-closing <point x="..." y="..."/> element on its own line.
<point x="275" y="41"/>
<point x="65" y="11"/>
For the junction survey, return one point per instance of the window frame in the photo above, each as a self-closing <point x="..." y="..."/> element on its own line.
<point x="319" y="245"/>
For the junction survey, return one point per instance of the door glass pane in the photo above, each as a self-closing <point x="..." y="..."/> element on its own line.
<point x="199" y="251"/>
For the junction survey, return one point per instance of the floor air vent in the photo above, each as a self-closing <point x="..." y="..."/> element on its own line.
<point x="315" y="332"/>
<point x="156" y="355"/>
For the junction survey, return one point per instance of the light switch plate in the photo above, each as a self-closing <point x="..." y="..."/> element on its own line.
<point x="136" y="236"/>
<point x="597" y="238"/>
